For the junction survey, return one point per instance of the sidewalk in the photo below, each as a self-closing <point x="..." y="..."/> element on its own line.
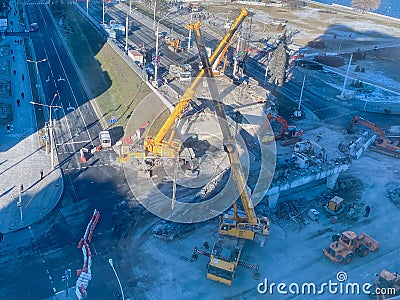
<point x="21" y="158"/>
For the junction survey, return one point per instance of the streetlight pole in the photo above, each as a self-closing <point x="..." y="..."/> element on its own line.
<point x="298" y="113"/>
<point x="237" y="56"/>
<point x="51" y="135"/>
<point x="51" y="126"/>
<point x="345" y="79"/>
<point x="156" y="55"/>
<point x="103" y="12"/>
<point x="130" y="7"/>
<point x="116" y="275"/>
<point x="19" y="204"/>
<point x="65" y="278"/>
<point x="190" y="30"/>
<point x="154" y="14"/>
<point x="126" y="33"/>
<point x="36" y="64"/>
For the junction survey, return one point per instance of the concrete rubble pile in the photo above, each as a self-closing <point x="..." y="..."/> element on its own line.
<point x="394" y="196"/>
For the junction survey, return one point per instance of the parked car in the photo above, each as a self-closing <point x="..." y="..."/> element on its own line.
<point x="33" y="27"/>
<point x="149" y="69"/>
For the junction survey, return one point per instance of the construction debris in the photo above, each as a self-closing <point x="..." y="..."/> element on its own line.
<point x="292" y="209"/>
<point x="394" y="196"/>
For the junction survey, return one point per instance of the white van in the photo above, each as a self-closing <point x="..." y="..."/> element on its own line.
<point x="105" y="139"/>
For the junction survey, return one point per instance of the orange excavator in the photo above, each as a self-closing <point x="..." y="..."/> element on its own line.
<point x="366" y="123"/>
<point x="290" y="134"/>
<point x="383" y="144"/>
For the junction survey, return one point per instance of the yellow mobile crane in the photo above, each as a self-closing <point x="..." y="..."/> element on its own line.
<point x="158" y="148"/>
<point x="226" y="253"/>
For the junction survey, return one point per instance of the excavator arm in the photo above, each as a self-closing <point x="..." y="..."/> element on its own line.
<point x="366" y="123"/>
<point x="157" y="145"/>
<point x="281" y="120"/>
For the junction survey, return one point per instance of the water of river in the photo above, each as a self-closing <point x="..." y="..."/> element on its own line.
<point x="388" y="7"/>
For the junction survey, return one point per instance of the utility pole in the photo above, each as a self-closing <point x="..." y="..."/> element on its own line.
<point x="126" y="33"/>
<point x="87" y="7"/>
<point x="130" y="7"/>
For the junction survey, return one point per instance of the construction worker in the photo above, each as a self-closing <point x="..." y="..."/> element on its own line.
<point x="367" y="211"/>
<point x="341" y="146"/>
<point x="319" y="137"/>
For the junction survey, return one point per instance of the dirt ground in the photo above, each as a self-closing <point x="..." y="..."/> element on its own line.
<point x="292" y="252"/>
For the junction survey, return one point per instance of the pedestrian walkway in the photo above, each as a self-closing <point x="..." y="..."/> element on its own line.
<point x="29" y="189"/>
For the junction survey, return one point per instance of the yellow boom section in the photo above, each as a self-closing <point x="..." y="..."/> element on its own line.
<point x="242" y="227"/>
<point x="153" y="144"/>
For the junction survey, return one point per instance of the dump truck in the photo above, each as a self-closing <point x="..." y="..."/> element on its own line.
<point x="345" y="245"/>
<point x="387" y="285"/>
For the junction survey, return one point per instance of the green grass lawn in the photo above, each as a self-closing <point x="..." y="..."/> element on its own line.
<point x="116" y="87"/>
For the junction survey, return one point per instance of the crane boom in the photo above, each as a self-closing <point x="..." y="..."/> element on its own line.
<point x="226" y="252"/>
<point x="157" y="146"/>
<point x="248" y="226"/>
<point x="226" y="41"/>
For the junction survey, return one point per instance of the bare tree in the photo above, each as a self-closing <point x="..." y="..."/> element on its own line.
<point x="3" y="8"/>
<point x="295" y="4"/>
<point x="366" y="5"/>
<point x="161" y="7"/>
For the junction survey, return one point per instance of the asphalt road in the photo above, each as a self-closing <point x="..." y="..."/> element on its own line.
<point x="34" y="259"/>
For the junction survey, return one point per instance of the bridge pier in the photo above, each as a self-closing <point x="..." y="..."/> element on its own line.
<point x="273" y="200"/>
<point x="331" y="180"/>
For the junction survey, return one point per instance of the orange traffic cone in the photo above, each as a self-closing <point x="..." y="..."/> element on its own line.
<point x="83" y="158"/>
